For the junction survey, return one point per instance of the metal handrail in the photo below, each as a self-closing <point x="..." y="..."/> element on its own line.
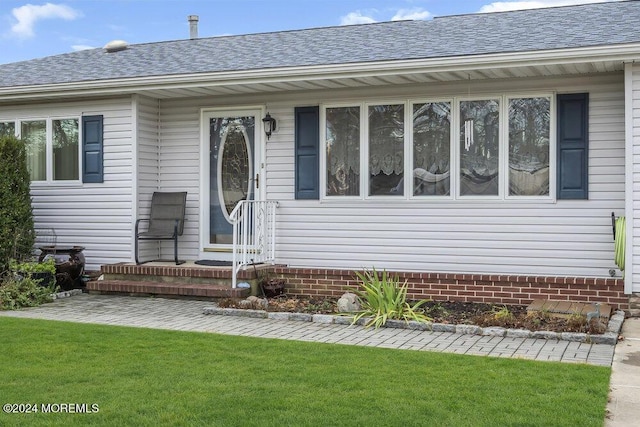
<point x="254" y="234"/>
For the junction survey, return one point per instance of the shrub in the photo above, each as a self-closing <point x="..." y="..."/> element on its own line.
<point x="17" y="292"/>
<point x="383" y="298"/>
<point x="17" y="234"/>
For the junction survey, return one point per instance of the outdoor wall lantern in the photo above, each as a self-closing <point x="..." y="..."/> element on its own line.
<point x="269" y="125"/>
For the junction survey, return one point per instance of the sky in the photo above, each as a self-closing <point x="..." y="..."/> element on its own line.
<point x="32" y="29"/>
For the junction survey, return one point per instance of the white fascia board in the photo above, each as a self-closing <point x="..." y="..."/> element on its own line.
<point x="618" y="53"/>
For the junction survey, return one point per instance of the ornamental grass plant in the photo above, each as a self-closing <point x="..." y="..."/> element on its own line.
<point x="383" y="298"/>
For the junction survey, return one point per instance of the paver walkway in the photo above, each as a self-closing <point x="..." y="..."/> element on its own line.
<point x="185" y="315"/>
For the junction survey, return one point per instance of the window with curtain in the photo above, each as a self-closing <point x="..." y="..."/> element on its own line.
<point x="58" y="138"/>
<point x="432" y="149"/>
<point x="386" y="150"/>
<point x="343" y="151"/>
<point x="34" y="134"/>
<point x="66" y="138"/>
<point x="479" y="147"/>
<point x="529" y="148"/>
<point x="502" y="147"/>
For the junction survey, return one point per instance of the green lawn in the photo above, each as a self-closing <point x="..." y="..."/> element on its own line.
<point x="144" y="377"/>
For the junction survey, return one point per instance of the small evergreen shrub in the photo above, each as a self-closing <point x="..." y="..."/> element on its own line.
<point x="17" y="234"/>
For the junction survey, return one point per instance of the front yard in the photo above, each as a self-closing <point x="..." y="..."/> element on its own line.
<point x="155" y="377"/>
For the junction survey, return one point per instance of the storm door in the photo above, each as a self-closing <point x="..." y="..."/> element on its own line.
<point x="232" y="174"/>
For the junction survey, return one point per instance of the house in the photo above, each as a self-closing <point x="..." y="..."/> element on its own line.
<point x="479" y="156"/>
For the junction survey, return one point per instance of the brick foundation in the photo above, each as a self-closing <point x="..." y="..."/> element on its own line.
<point x="464" y="287"/>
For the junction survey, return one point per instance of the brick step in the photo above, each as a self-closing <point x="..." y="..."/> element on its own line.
<point x="166" y="289"/>
<point x="184" y="274"/>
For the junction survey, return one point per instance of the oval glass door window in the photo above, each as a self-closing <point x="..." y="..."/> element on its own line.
<point x="234" y="169"/>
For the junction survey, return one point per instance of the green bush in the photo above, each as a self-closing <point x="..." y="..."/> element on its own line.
<point x="17" y="234"/>
<point x="30" y="267"/>
<point x="17" y="292"/>
<point x="383" y="298"/>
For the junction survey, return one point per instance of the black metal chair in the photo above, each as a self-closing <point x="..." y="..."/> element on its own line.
<point x="166" y="220"/>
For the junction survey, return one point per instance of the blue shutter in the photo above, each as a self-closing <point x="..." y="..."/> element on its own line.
<point x="573" y="146"/>
<point x="307" y="152"/>
<point x="92" y="150"/>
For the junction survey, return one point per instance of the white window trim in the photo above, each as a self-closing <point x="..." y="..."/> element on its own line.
<point x="454" y="193"/>
<point x="552" y="146"/>
<point x="49" y="148"/>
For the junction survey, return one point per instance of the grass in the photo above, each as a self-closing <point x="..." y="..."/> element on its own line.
<point x="146" y="377"/>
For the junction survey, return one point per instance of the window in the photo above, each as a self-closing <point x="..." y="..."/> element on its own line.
<point x="386" y="150"/>
<point x="34" y="134"/>
<point x="53" y="148"/>
<point x="431" y="149"/>
<point x="7" y="129"/>
<point x="65" y="150"/>
<point x="479" y="147"/>
<point x="529" y="147"/>
<point x="343" y="151"/>
<point x="501" y="147"/>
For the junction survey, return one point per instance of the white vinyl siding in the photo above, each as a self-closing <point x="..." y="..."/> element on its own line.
<point x="527" y="237"/>
<point x="179" y="165"/>
<point x="96" y="216"/>
<point x="147" y="114"/>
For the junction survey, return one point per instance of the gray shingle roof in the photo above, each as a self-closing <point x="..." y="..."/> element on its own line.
<point x="530" y="30"/>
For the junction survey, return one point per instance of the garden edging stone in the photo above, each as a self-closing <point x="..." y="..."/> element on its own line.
<point x="610" y="337"/>
<point x="66" y="294"/>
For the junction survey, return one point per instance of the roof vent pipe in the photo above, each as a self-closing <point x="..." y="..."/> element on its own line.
<point x="193" y="26"/>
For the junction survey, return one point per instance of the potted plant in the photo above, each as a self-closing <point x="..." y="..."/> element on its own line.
<point x="44" y="273"/>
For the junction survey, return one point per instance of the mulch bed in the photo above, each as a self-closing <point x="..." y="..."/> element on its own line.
<point x="450" y="312"/>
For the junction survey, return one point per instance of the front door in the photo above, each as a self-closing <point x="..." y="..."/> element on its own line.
<point x="231" y="143"/>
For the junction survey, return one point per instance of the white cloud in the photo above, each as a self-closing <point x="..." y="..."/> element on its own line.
<point x="357" y="17"/>
<point x="504" y="6"/>
<point x="29" y="14"/>
<point x="77" y="47"/>
<point x="413" y="14"/>
<point x="360" y="17"/>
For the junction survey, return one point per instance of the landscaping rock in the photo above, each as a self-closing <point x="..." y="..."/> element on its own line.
<point x="363" y="321"/>
<point x="573" y="336"/>
<point x="494" y="332"/>
<point x="609" y="338"/>
<point x="468" y="329"/>
<point x="443" y="327"/>
<point x="419" y="326"/>
<point x="278" y="315"/>
<point x="302" y="317"/>
<point x="213" y="310"/>
<point x="398" y="324"/>
<point x="348" y="303"/>
<point x="66" y="294"/>
<point x="255" y="314"/>
<point x="322" y="318"/>
<point x="342" y="320"/>
<point x="518" y="333"/>
<point x="547" y="335"/>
